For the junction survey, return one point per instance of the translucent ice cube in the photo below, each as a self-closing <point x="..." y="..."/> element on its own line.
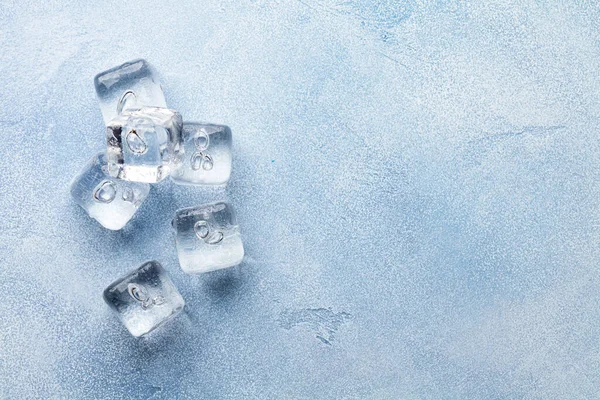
<point x="207" y="155"/>
<point x="111" y="202"/>
<point x="144" y="299"/>
<point x="207" y="238"/>
<point x="131" y="85"/>
<point x="144" y="145"/>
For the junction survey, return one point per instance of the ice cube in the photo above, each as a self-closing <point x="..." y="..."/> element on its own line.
<point x="134" y="84"/>
<point x="144" y="299"/>
<point x="207" y="238"/>
<point x="111" y="202"/>
<point x="207" y="155"/>
<point x="144" y="145"/>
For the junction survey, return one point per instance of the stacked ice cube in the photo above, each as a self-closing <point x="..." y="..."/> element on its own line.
<point x="147" y="142"/>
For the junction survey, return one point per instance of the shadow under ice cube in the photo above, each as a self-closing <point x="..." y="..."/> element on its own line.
<point x="207" y="155"/>
<point x="134" y="84"/>
<point x="144" y="145"/>
<point x="111" y="202"/>
<point x="144" y="299"/>
<point x="207" y="238"/>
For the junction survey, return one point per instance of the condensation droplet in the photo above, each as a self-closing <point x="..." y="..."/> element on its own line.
<point x="202" y="230"/>
<point x="201" y="141"/>
<point x="135" y="142"/>
<point x="196" y="161"/>
<point x="207" y="163"/>
<point x="128" y="194"/>
<point x="214" y="238"/>
<point x="128" y="100"/>
<point x="105" y="192"/>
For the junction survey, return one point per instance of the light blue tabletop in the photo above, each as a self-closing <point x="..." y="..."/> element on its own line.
<point x="417" y="185"/>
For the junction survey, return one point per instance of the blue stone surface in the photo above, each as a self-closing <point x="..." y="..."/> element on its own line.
<point x="418" y="184"/>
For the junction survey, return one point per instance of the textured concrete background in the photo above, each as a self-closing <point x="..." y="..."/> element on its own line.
<point x="417" y="185"/>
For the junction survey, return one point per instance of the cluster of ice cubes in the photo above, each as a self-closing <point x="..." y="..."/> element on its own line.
<point x="146" y="143"/>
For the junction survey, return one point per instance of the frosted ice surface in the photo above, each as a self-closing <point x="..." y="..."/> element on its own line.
<point x="207" y="155"/>
<point x="207" y="238"/>
<point x="144" y="299"/>
<point x="144" y="145"/>
<point x="131" y="85"/>
<point x="112" y="202"/>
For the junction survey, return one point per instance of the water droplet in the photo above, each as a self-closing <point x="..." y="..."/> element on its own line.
<point x="202" y="230"/>
<point x="207" y="164"/>
<point x="135" y="142"/>
<point x="201" y="141"/>
<point x="196" y="161"/>
<point x="128" y="194"/>
<point x="105" y="192"/>
<point x="128" y="100"/>
<point x="139" y="294"/>
<point x="158" y="300"/>
<point x="214" y="238"/>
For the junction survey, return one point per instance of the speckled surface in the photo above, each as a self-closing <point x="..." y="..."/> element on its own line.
<point x="417" y="185"/>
